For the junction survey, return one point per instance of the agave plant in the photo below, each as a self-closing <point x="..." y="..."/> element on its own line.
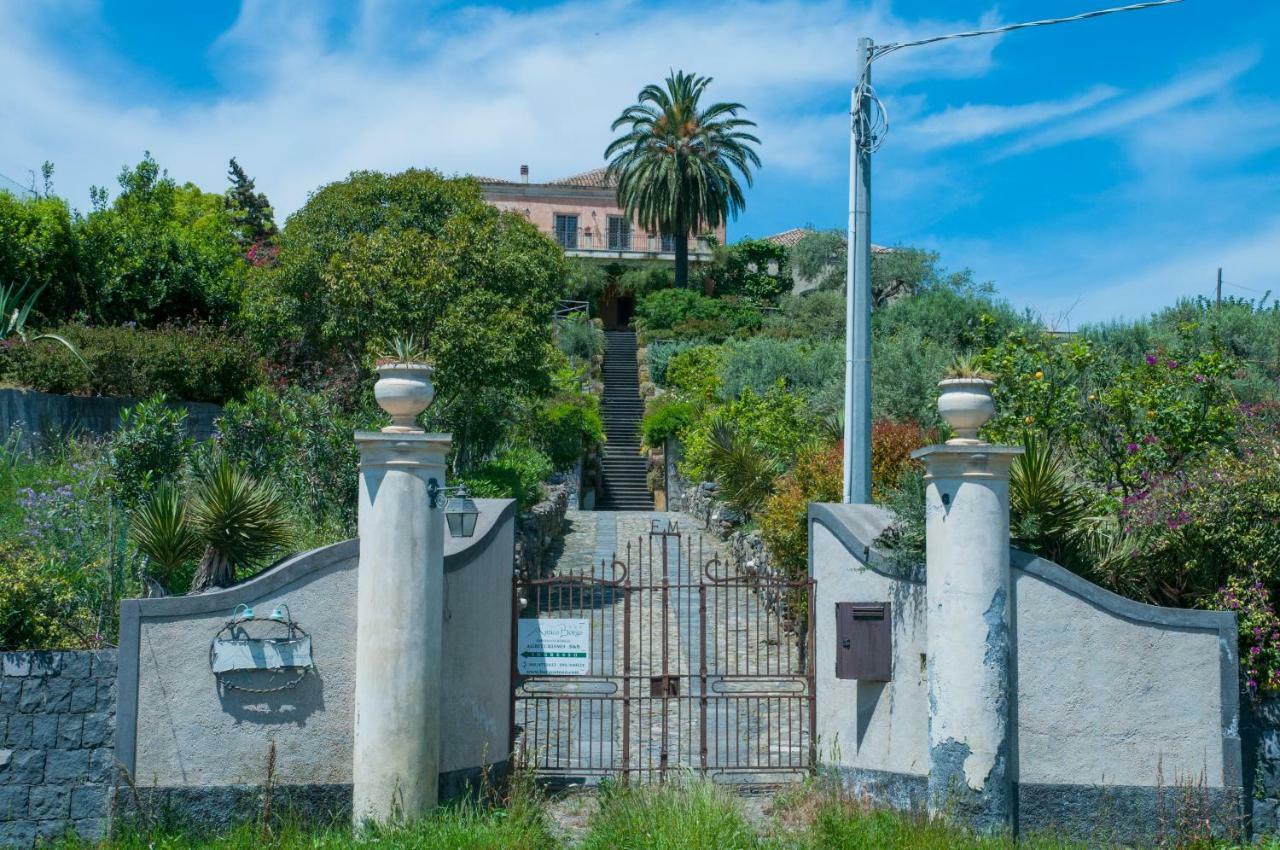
<point x="161" y="530"/>
<point x="16" y="304"/>
<point x="404" y="349"/>
<point x="968" y="366"/>
<point x="241" y="521"/>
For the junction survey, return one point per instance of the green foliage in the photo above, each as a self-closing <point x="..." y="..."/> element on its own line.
<point x="40" y="251"/>
<point x="579" y="337"/>
<point x="682" y="314"/>
<point x="753" y="268"/>
<point x="149" y="448"/>
<point x="812" y="369"/>
<point x="161" y="530"/>
<point x="1125" y="420"/>
<point x="242" y="521"/>
<point x="816" y="477"/>
<point x="516" y="473"/>
<point x="958" y="318"/>
<point x="585" y="280"/>
<point x="665" y="418"/>
<point x="818" y="315"/>
<point x="641" y="280"/>
<point x="659" y="355"/>
<point x="676" y="814"/>
<point x="36" y="604"/>
<point x="1250" y="599"/>
<point x="565" y="427"/>
<point x="742" y="466"/>
<point x="905" y="370"/>
<point x="251" y="213"/>
<point x="820" y="257"/>
<point x="415" y="252"/>
<point x="16" y="303"/>
<point x="1051" y="513"/>
<point x="695" y="372"/>
<point x="677" y="164"/>
<point x="159" y="252"/>
<point x="776" y="424"/>
<point x="301" y="441"/>
<point x="198" y="363"/>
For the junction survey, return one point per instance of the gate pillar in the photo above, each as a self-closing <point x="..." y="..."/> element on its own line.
<point x="967" y="599"/>
<point x="399" y="623"/>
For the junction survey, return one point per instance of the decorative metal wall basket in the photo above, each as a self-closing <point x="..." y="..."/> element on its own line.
<point x="279" y="645"/>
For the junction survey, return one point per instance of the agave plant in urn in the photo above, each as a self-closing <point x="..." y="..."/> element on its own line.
<point x="965" y="400"/>
<point x="404" y="387"/>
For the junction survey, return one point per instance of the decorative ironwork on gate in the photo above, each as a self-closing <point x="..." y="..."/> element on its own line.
<point x="661" y="661"/>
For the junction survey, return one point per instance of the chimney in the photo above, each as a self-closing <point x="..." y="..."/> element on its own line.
<point x="524" y="173"/>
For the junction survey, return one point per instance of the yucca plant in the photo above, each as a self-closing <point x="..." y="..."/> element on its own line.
<point x="242" y="521"/>
<point x="161" y="530"/>
<point x="1051" y="514"/>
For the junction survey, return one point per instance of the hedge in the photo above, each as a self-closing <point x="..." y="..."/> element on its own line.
<point x="198" y="363"/>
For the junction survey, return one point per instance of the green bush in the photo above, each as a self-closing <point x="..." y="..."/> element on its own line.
<point x="666" y="417"/>
<point x="659" y="355"/>
<point x="566" y="427"/>
<point x="777" y="424"/>
<point x="579" y="337"/>
<point x="753" y="268"/>
<point x="695" y="372"/>
<point x="149" y="448"/>
<point x="516" y="473"/>
<point x="684" y="314"/>
<point x="197" y="363"/>
<point x="36" y="603"/>
<point x="301" y="441"/>
<point x="813" y="369"/>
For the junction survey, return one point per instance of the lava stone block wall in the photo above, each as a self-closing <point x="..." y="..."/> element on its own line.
<point x="57" y="733"/>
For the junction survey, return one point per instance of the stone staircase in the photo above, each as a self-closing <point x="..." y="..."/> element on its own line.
<point x="622" y="467"/>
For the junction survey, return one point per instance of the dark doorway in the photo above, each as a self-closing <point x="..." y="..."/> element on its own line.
<point x="616" y="309"/>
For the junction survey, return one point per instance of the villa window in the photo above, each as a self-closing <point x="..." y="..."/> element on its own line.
<point x="668" y="243"/>
<point x="567" y="231"/>
<point x="619" y="233"/>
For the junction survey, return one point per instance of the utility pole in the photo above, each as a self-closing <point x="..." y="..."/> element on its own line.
<point x="857" y="335"/>
<point x="1218" y="303"/>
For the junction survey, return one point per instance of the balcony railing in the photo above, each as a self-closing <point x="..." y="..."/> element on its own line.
<point x="642" y="246"/>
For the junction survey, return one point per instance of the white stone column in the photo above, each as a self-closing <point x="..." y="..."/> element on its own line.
<point x="967" y="593"/>
<point x="398" y="626"/>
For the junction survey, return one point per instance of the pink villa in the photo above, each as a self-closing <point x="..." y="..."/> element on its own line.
<point x="581" y="213"/>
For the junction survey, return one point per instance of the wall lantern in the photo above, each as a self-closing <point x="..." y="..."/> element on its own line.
<point x="460" y="512"/>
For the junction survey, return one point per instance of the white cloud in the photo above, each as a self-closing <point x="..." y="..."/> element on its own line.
<point x="481" y="91"/>
<point x="974" y="122"/>
<point x="1202" y="83"/>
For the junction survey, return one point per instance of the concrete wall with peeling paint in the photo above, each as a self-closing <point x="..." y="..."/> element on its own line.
<point x="200" y="746"/>
<point x="1114" y="703"/>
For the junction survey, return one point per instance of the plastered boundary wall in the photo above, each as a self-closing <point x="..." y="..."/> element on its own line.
<point x="1115" y="702"/>
<point x="203" y="752"/>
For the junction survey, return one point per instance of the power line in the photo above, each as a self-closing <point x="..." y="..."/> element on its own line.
<point x="877" y="52"/>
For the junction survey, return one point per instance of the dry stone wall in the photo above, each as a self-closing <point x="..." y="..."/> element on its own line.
<point x="57" y="758"/>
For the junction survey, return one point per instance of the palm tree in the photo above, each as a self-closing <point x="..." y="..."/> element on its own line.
<point x="675" y="164"/>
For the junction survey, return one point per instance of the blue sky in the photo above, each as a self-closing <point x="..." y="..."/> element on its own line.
<point x="1090" y="171"/>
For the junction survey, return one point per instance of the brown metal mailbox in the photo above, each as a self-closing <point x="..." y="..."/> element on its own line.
<point x="864" y="641"/>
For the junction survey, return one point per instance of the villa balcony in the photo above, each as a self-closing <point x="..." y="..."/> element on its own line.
<point x="641" y="248"/>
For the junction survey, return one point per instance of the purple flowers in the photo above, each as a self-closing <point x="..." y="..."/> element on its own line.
<point x="1152" y="359"/>
<point x="1200" y="379"/>
<point x="1132" y="448"/>
<point x="1173" y="364"/>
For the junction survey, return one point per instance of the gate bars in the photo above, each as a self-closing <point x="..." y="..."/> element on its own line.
<point x="687" y="670"/>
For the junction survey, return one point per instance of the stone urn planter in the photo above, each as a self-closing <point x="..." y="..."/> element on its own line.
<point x="966" y="405"/>
<point x="404" y="390"/>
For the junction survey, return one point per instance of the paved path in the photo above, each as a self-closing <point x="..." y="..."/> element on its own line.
<point x="755" y="712"/>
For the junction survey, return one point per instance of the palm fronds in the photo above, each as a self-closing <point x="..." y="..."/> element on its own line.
<point x="744" y="470"/>
<point x="241" y="520"/>
<point x="161" y="530"/>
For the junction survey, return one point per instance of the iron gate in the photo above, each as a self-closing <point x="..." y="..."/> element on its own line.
<point x="661" y="662"/>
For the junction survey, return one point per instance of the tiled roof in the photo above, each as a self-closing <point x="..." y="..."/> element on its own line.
<point x="596" y="178"/>
<point x="789" y="238"/>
